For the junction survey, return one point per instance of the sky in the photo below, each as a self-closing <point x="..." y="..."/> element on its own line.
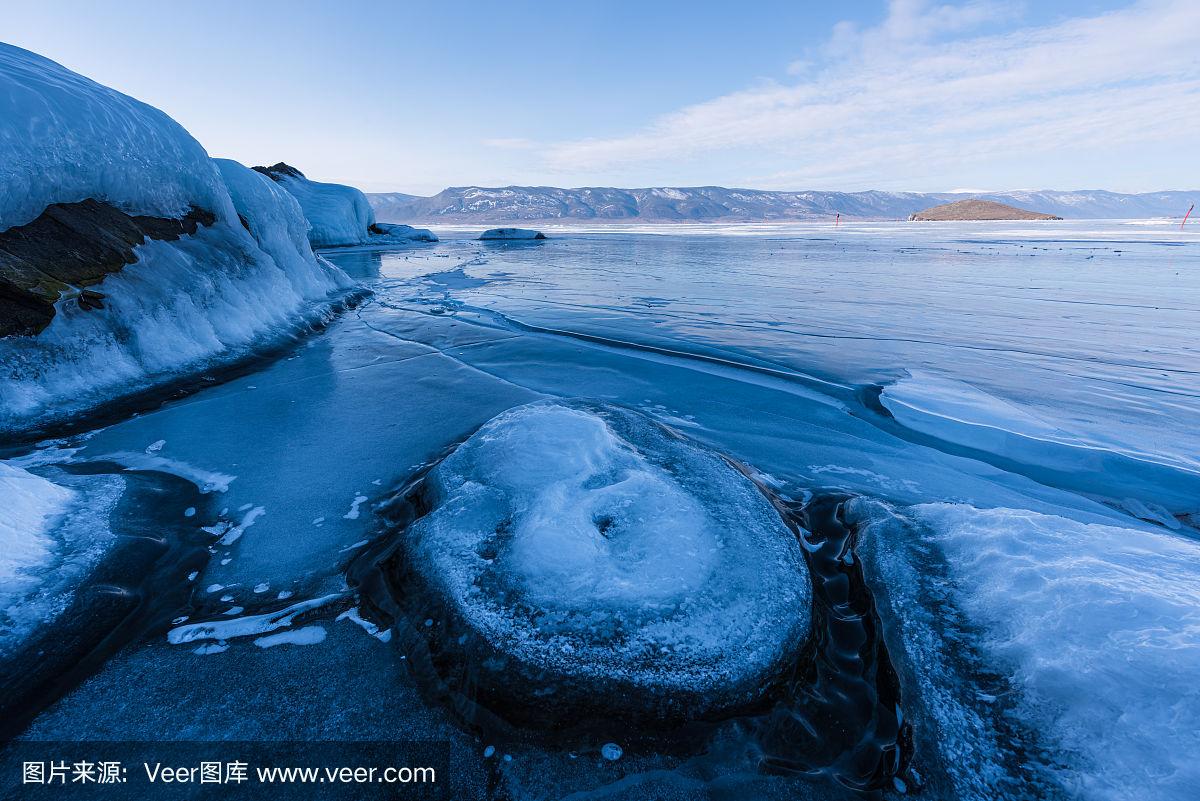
<point x="903" y="95"/>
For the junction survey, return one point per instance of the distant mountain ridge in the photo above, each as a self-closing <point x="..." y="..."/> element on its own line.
<point x="471" y="204"/>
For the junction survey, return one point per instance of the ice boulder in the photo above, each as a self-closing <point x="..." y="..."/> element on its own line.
<point x="511" y="234"/>
<point x="580" y="562"/>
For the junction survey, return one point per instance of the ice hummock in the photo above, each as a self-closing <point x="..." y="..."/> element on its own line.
<point x="1092" y="629"/>
<point x="611" y="562"/>
<point x="65" y="138"/>
<point x="337" y="214"/>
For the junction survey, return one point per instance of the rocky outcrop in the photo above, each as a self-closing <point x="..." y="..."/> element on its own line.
<point x="68" y="247"/>
<point x="976" y="209"/>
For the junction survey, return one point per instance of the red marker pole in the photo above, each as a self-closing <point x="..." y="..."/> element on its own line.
<point x="1189" y="212"/>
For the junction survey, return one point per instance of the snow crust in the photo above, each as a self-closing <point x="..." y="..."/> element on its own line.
<point x="337" y="214"/>
<point x="65" y="138"/>
<point x="587" y="541"/>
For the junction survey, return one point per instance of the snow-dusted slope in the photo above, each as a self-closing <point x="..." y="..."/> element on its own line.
<point x="64" y="138"/>
<point x="707" y="203"/>
<point x="182" y="304"/>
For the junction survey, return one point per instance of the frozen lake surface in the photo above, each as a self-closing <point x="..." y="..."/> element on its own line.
<point x="1014" y="407"/>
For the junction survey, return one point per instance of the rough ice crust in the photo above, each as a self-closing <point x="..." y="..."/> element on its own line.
<point x="592" y="545"/>
<point x="65" y="138"/>
<point x="51" y="533"/>
<point x="28" y="506"/>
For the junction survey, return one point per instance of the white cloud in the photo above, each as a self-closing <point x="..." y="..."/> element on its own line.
<point x="510" y="143"/>
<point x="924" y="91"/>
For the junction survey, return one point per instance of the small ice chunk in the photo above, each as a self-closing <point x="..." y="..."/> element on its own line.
<point x="190" y="511"/>
<point x="354" y="507"/>
<point x="263" y="587"/>
<point x="155" y="447"/>
<point x="611" y="751"/>
<point x="309" y="635"/>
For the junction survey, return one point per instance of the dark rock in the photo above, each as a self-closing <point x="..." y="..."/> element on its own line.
<point x="73" y="245"/>
<point x="277" y="171"/>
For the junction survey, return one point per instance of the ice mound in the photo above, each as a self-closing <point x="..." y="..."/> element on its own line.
<point x="1091" y="630"/>
<point x="585" y="558"/>
<point x="64" y="138"/>
<point x="511" y="234"/>
<point x="337" y="214"/>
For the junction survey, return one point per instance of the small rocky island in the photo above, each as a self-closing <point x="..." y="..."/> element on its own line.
<point x="974" y="209"/>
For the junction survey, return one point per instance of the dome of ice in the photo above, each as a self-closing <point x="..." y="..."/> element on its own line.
<point x="586" y="560"/>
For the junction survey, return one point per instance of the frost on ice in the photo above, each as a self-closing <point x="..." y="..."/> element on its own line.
<point x="584" y="553"/>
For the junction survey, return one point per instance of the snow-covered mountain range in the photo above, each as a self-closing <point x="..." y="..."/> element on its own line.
<point x="714" y="203"/>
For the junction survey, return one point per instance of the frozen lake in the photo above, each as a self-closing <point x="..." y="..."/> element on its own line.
<point x="1013" y="407"/>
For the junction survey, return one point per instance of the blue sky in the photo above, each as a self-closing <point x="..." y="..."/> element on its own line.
<point x="908" y="94"/>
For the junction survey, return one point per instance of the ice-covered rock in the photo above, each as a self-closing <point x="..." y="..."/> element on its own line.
<point x="194" y="286"/>
<point x="337" y="214"/>
<point x="511" y="234"/>
<point x="387" y="232"/>
<point x="582" y="561"/>
<point x="1044" y="655"/>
